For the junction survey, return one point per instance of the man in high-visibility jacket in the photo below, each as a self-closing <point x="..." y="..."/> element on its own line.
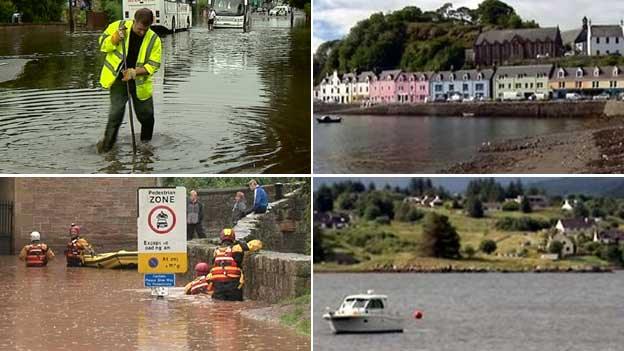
<point x="143" y="57"/>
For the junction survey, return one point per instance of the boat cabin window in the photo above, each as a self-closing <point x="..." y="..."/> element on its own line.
<point x="375" y="304"/>
<point x="359" y="303"/>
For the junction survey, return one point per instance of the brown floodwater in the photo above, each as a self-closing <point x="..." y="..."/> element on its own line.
<point x="60" y="308"/>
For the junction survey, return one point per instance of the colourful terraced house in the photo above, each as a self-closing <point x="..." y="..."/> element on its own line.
<point x="467" y="83"/>
<point x="412" y="87"/>
<point x="383" y="88"/>
<point x="587" y="80"/>
<point x="522" y="80"/>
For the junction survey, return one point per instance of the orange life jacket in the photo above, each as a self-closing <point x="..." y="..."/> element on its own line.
<point x="224" y="268"/>
<point x="73" y="252"/>
<point x="36" y="255"/>
<point x="200" y="286"/>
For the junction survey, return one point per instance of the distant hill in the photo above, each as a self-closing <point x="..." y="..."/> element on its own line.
<point x="608" y="187"/>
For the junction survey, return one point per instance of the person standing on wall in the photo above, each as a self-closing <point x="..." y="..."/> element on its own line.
<point x="261" y="199"/>
<point x="194" y="217"/>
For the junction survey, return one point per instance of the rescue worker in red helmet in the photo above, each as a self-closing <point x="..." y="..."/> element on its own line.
<point x="201" y="284"/>
<point x="226" y="273"/>
<point x="36" y="254"/>
<point x="76" y="247"/>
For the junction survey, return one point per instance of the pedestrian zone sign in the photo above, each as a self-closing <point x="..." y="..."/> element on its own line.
<point x="162" y="230"/>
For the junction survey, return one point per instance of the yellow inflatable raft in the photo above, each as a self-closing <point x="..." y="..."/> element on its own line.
<point x="111" y="260"/>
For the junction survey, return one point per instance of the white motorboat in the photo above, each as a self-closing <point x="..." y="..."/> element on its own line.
<point x="365" y="313"/>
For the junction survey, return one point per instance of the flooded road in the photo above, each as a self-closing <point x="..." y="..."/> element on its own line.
<point x="224" y="101"/>
<point x="59" y="308"/>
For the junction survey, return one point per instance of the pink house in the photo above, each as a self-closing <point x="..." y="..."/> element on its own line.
<point x="383" y="88"/>
<point x="403" y="87"/>
<point x="419" y="87"/>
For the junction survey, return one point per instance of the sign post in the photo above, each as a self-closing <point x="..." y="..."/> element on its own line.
<point x="161" y="236"/>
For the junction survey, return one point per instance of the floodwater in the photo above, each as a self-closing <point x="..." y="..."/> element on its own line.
<point x="486" y="312"/>
<point x="60" y="308"/>
<point x="225" y="102"/>
<point x="409" y="144"/>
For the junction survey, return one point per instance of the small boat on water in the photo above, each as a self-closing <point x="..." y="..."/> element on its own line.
<point x="468" y="114"/>
<point x="364" y="313"/>
<point x="112" y="260"/>
<point x="329" y="119"/>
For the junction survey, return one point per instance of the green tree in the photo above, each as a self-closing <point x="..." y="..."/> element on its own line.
<point x="469" y="251"/>
<point x="41" y="10"/>
<point x="525" y="205"/>
<point x="511" y="206"/>
<point x="494" y="12"/>
<point x="323" y="199"/>
<point x="6" y="10"/>
<point x="612" y="253"/>
<point x="487" y="246"/>
<point x="474" y="207"/>
<point x="580" y="210"/>
<point x="555" y="247"/>
<point x="346" y="201"/>
<point x="440" y="237"/>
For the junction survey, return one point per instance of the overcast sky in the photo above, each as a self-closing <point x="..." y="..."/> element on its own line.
<point x="334" y="18"/>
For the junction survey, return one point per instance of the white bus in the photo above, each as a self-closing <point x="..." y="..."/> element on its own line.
<point x="231" y="13"/>
<point x="171" y="15"/>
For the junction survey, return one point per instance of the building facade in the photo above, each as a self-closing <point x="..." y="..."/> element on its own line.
<point x="587" y="80"/>
<point x="467" y="83"/>
<point x="525" y="80"/>
<point x="498" y="47"/>
<point x="383" y="88"/>
<point x="361" y="91"/>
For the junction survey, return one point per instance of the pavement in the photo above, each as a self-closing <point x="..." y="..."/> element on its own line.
<point x="10" y="69"/>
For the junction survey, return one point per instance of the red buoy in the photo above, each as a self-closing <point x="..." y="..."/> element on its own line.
<point x="417" y="314"/>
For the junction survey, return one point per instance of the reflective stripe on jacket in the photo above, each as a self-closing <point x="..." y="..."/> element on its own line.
<point x="149" y="58"/>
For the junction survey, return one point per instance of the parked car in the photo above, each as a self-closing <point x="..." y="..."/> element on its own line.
<point x="574" y="96"/>
<point x="621" y="96"/>
<point x="456" y="97"/>
<point x="602" y="97"/>
<point x="440" y="98"/>
<point x="470" y="99"/>
<point x="512" y="96"/>
<point x="282" y="10"/>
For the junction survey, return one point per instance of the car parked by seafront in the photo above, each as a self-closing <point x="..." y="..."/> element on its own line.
<point x="574" y="96"/>
<point x="602" y="97"/>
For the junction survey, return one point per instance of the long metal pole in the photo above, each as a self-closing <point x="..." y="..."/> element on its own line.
<point x="125" y="66"/>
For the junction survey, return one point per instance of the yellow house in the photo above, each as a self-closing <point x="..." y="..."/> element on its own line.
<point x="587" y="80"/>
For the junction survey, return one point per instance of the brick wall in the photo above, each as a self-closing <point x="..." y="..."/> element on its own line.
<point x="105" y="208"/>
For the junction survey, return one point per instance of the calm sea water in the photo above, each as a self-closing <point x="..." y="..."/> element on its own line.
<point x="485" y="312"/>
<point x="406" y="144"/>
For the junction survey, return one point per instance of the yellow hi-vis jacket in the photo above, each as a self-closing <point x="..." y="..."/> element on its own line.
<point x="149" y="58"/>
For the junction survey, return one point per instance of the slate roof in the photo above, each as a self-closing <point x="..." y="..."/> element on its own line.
<point x="578" y="223"/>
<point x="574" y="36"/>
<point x="532" y="70"/>
<point x="362" y="76"/>
<point x="606" y="31"/>
<point x="605" y="72"/>
<point x="459" y="75"/>
<point x="612" y="234"/>
<point x="394" y="73"/>
<point x="530" y="34"/>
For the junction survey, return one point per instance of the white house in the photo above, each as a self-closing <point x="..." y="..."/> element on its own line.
<point x="347" y="87"/>
<point x="329" y="89"/>
<point x="566" y="206"/>
<point x="597" y="40"/>
<point x="436" y="202"/>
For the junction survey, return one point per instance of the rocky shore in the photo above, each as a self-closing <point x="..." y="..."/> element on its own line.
<point x="454" y="269"/>
<point x="597" y="148"/>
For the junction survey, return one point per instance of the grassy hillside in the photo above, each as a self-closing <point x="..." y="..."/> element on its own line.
<point x="471" y="231"/>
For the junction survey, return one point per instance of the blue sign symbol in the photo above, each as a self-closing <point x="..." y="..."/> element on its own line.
<point x="153" y="262"/>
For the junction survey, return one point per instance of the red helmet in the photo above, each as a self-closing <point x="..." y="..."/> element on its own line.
<point x="202" y="268"/>
<point x="227" y="234"/>
<point x="74" y="229"/>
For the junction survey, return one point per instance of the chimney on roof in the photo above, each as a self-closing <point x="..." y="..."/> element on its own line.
<point x="585" y="23"/>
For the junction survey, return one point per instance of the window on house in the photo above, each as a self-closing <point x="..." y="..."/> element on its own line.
<point x="560" y="74"/>
<point x="561" y="84"/>
<point x="607" y="41"/>
<point x="598" y="52"/>
<point x="578" y="85"/>
<point x="323" y="91"/>
<point x="501" y="86"/>
<point x="438" y="87"/>
<point x="526" y="85"/>
<point x="579" y="73"/>
<point x="607" y="52"/>
<point x="509" y="86"/>
<point x="451" y="87"/>
<point x="465" y="87"/>
<point x="597" y="40"/>
<point x="518" y="85"/>
<point x="617" y="41"/>
<point x="479" y="86"/>
<point x="540" y="85"/>
<point x="347" y="91"/>
<point x="595" y="84"/>
<point x="596" y="72"/>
